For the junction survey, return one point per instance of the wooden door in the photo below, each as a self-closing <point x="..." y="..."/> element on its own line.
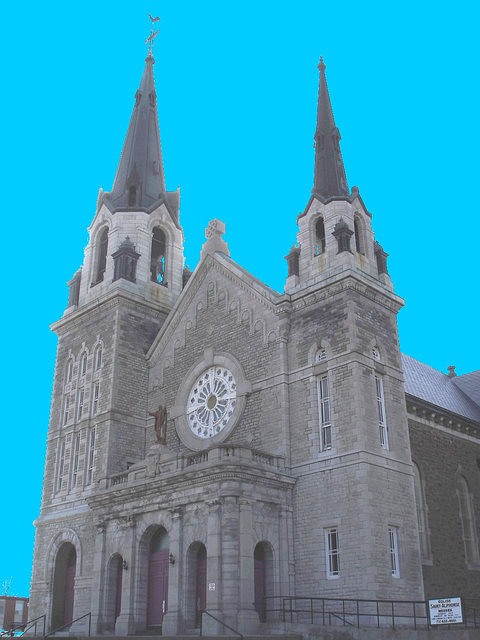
<point x="70" y="587"/>
<point x="201" y="586"/>
<point x="157" y="587"/>
<point x="259" y="577"/>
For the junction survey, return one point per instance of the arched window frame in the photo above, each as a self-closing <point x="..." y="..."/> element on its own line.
<point x="422" y="513"/>
<point x="319" y="236"/>
<point x="159" y="273"/>
<point x="82" y="369"/>
<point x="358" y="227"/>
<point x="467" y="519"/>
<point x="100" y="255"/>
<point x="98" y="357"/>
<point x="69" y="370"/>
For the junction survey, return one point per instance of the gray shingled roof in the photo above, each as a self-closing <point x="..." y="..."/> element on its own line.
<point x="469" y="383"/>
<point x="438" y="389"/>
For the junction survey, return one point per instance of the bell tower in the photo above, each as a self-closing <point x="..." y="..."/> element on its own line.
<point x="350" y="443"/>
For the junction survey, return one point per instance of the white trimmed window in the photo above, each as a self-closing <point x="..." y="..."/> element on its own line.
<point x="393" y="540"/>
<point x="2" y="612"/>
<point x="83" y="365"/>
<point x="69" y="370"/>
<point x="66" y="410"/>
<point x="76" y="452"/>
<point x="95" y="396"/>
<point x="91" y="454"/>
<point x="61" y="466"/>
<point x="81" y="400"/>
<point x="382" y="422"/>
<point x="98" y="358"/>
<point x="421" y="514"/>
<point x="468" y="522"/>
<point x="324" y="412"/>
<point x="19" y="610"/>
<point x="333" y="553"/>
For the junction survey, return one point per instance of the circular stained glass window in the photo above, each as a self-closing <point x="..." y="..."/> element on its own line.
<point x="211" y="402"/>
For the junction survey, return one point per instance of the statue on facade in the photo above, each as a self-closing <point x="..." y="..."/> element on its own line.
<point x="160" y="424"/>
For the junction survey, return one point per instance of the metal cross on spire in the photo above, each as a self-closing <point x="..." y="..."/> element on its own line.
<point x="152" y="35"/>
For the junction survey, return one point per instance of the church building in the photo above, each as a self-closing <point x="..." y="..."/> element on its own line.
<point x="217" y="445"/>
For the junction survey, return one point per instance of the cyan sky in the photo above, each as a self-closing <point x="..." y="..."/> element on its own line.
<point x="237" y="89"/>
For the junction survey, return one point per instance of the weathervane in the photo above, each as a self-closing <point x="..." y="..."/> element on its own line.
<point x="152" y="35"/>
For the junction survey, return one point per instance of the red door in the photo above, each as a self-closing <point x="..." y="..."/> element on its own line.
<point x="259" y="569"/>
<point x="157" y="587"/>
<point x="201" y="588"/>
<point x="70" y="587"/>
<point x="118" y="592"/>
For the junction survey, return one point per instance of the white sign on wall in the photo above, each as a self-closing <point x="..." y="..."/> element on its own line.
<point x="445" y="611"/>
<point x="211" y="586"/>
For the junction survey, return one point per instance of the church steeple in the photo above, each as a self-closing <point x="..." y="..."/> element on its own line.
<point x="139" y="181"/>
<point x="330" y="179"/>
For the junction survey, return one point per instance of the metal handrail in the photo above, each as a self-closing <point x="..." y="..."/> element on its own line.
<point x="31" y="623"/>
<point x="69" y="624"/>
<point x="221" y="622"/>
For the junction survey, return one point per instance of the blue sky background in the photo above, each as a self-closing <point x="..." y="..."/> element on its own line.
<point x="237" y="89"/>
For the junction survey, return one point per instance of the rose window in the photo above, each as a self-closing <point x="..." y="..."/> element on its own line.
<point x="211" y="402"/>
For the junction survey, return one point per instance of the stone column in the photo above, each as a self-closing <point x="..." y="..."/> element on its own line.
<point x="173" y="621"/>
<point x="285" y="556"/>
<point x="247" y="616"/>
<point x="125" y="624"/>
<point x="98" y="579"/>
<point x="214" y="568"/>
<point x="230" y="560"/>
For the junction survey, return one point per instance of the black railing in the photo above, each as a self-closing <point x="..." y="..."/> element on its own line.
<point x="218" y="620"/>
<point x="69" y="624"/>
<point x="360" y="613"/>
<point x="33" y="623"/>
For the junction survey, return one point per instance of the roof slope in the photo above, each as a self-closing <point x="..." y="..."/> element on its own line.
<point x="469" y="383"/>
<point x="438" y="389"/>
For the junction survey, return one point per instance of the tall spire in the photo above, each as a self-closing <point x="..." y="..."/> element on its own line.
<point x="330" y="179"/>
<point x="139" y="181"/>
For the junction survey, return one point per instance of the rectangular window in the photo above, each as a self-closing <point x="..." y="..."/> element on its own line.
<point x="76" y="451"/>
<point x="61" y="465"/>
<point x="382" y="423"/>
<point x="333" y="554"/>
<point x="393" y="539"/>
<point x="324" y="413"/>
<point x="18" y="611"/>
<point x="2" y="612"/>
<point x="81" y="398"/>
<point x="66" y="410"/>
<point x="91" y="453"/>
<point x="96" y="393"/>
<point x="98" y="359"/>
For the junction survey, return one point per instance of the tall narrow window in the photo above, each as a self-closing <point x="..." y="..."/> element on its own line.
<point x="324" y="412"/>
<point x="393" y="540"/>
<point x="69" y="370"/>
<point x="333" y="553"/>
<point x="83" y="365"/>
<point x="61" y="466"/>
<point x="468" y="523"/>
<point x="358" y="235"/>
<point x="319" y="237"/>
<point x="18" y="611"/>
<point x="98" y="358"/>
<point x="91" y="454"/>
<point x="95" y="395"/>
<point x="101" y="261"/>
<point x="66" y="410"/>
<point x="421" y="514"/>
<point x="76" y="453"/>
<point x="81" y="398"/>
<point x="382" y="423"/>
<point x="158" y="255"/>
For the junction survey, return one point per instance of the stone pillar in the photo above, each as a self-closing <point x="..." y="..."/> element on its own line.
<point x="173" y="621"/>
<point x="98" y="579"/>
<point x="230" y="560"/>
<point x="214" y="568"/>
<point x="125" y="624"/>
<point x="247" y="616"/>
<point x="285" y="554"/>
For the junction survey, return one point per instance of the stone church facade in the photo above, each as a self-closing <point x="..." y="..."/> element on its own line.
<point x="214" y="444"/>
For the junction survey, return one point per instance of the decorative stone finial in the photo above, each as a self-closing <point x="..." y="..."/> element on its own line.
<point x="451" y="372"/>
<point x="321" y="65"/>
<point x="381" y="257"/>
<point x="125" y="261"/>
<point x="293" y="259"/>
<point x="215" y="242"/>
<point x="343" y="233"/>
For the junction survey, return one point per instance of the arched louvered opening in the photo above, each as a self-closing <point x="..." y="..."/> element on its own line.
<point x="101" y="257"/>
<point x="158" y="256"/>
<point x="320" y="242"/>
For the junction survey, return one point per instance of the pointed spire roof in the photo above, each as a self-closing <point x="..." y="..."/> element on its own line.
<point x="330" y="179"/>
<point x="140" y="181"/>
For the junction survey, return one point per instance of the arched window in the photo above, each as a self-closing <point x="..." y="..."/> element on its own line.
<point x="468" y="522"/>
<point x="357" y="227"/>
<point x="83" y="365"/>
<point x="98" y="358"/>
<point x="157" y="260"/>
<point x="101" y="261"/>
<point x="69" y="374"/>
<point x="376" y="353"/>
<point x="421" y="514"/>
<point x="319" y="237"/>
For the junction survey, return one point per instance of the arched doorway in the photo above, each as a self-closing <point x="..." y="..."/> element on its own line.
<point x="157" y="600"/>
<point x="260" y="580"/>
<point x="64" y="585"/>
<point x="200" y="584"/>
<point x="113" y="601"/>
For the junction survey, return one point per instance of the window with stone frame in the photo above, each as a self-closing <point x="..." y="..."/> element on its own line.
<point x="76" y="454"/>
<point x="332" y="552"/>
<point x="393" y="542"/>
<point x="320" y="240"/>
<point x="69" y="373"/>
<point x="98" y="357"/>
<point x="61" y="465"/>
<point x="421" y="514"/>
<point x="382" y="421"/>
<point x="158" y="256"/>
<point x="81" y="400"/>
<point x="324" y="412"/>
<point x="66" y="410"/>
<point x="83" y="365"/>
<point x="468" y="522"/>
<point x="91" y="456"/>
<point x="95" y="397"/>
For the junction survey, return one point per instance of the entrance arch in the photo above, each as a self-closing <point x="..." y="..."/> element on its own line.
<point x="113" y="603"/>
<point x="64" y="585"/>
<point x="157" y="599"/>
<point x="196" y="584"/>
<point x="200" y="584"/>
<point x="263" y="577"/>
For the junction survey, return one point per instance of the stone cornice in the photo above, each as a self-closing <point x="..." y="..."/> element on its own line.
<point x="437" y="417"/>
